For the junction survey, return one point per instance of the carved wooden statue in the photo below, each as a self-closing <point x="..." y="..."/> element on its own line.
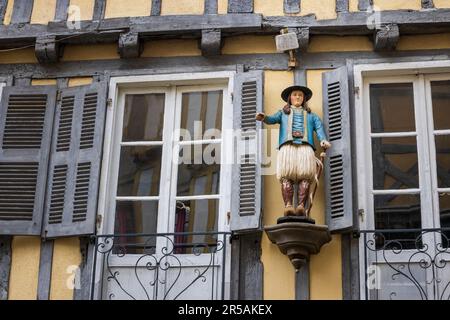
<point x="297" y="163"/>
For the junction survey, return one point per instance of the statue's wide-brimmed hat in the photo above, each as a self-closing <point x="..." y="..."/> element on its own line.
<point x="287" y="92"/>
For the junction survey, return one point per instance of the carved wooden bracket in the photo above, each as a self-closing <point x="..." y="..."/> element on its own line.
<point x="130" y="45"/>
<point x="47" y="49"/>
<point x="386" y="38"/>
<point x="211" y="42"/>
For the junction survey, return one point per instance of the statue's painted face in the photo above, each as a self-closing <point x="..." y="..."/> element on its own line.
<point x="297" y="97"/>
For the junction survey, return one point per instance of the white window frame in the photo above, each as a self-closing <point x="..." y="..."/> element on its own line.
<point x="392" y="72"/>
<point x="118" y="87"/>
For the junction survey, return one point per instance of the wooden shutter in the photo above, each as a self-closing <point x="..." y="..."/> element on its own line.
<point x="246" y="190"/>
<point x="338" y="166"/>
<point x="26" y="119"/>
<point x="73" y="180"/>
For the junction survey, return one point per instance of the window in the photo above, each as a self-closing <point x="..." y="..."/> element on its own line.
<point x="168" y="189"/>
<point x="403" y="169"/>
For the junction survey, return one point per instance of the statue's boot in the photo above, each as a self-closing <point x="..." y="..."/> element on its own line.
<point x="287" y="191"/>
<point x="303" y="193"/>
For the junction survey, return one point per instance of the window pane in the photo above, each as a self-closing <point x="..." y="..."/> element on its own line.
<point x="201" y="115"/>
<point x="144" y="117"/>
<point x="199" y="171"/>
<point x="196" y="216"/>
<point x="443" y="160"/>
<point x="398" y="212"/>
<point x="135" y="217"/>
<point x="444" y="208"/>
<point x="440" y="93"/>
<point x="395" y="164"/>
<point x="139" y="171"/>
<point x="392" y="107"/>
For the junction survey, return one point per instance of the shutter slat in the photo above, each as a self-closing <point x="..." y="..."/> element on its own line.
<point x="75" y="162"/>
<point x="26" y="120"/>
<point x="246" y="197"/>
<point x="338" y="175"/>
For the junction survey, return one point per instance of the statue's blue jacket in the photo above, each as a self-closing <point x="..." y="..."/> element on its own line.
<point x="295" y="121"/>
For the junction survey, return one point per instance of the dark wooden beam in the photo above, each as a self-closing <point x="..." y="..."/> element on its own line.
<point x="211" y="42"/>
<point x="427" y="4"/>
<point x="130" y="46"/>
<point x="156" y="8"/>
<point x="61" y="10"/>
<point x="99" y="10"/>
<point x="5" y="265"/>
<point x="47" y="50"/>
<point x="86" y="271"/>
<point x="3" y="5"/>
<point x="240" y="6"/>
<point x="342" y="6"/>
<point x="211" y="7"/>
<point x="291" y="6"/>
<point x="303" y="38"/>
<point x="363" y="5"/>
<point x="45" y="270"/>
<point x="386" y="38"/>
<point x="302" y="283"/>
<point x="22" y="10"/>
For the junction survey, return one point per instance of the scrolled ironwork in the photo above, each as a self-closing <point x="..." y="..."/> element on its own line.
<point x="406" y="258"/>
<point x="137" y="266"/>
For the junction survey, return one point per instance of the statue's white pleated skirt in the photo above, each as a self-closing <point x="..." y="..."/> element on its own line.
<point x="296" y="162"/>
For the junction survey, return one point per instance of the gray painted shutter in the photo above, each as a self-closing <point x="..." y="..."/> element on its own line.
<point x="246" y="185"/>
<point x="26" y="121"/>
<point x="338" y="175"/>
<point x="73" y="180"/>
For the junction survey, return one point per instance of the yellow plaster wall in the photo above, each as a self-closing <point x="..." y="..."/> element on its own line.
<point x="172" y="7"/>
<point x="441" y="3"/>
<point x="23" y="279"/>
<point x="279" y="275"/>
<point x="90" y="52"/>
<point x="43" y="82"/>
<point x="79" y="81"/>
<point x="86" y="8"/>
<point x="125" y="8"/>
<point x="336" y="43"/>
<point x="171" y="48"/>
<point x="323" y="9"/>
<point x="43" y="11"/>
<point x="398" y="4"/>
<point x="268" y="7"/>
<point x="424" y="42"/>
<point x="66" y="257"/>
<point x="249" y="45"/>
<point x="18" y="56"/>
<point x="8" y="12"/>
<point x="222" y="6"/>
<point x="353" y="5"/>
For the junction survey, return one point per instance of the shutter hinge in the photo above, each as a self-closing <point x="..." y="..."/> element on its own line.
<point x="228" y="217"/>
<point x="361" y="214"/>
<point x="98" y="221"/>
<point x="356" y="91"/>
<point x="109" y="102"/>
<point x="232" y="97"/>
<point x="58" y="96"/>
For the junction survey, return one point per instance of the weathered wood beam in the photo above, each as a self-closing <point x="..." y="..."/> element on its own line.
<point x="156" y="8"/>
<point x="99" y="10"/>
<point x="5" y="265"/>
<point x="86" y="272"/>
<point x="22" y="10"/>
<point x="45" y="270"/>
<point x="211" y="42"/>
<point x="427" y="4"/>
<point x="3" y="5"/>
<point x="47" y="49"/>
<point x="364" y="5"/>
<point x="302" y="36"/>
<point x="240" y="6"/>
<point x="291" y="6"/>
<point x="342" y="6"/>
<point x="211" y="7"/>
<point x="386" y="38"/>
<point x="130" y="46"/>
<point x="61" y="10"/>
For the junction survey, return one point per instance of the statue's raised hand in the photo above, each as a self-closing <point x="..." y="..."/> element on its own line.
<point x="325" y="144"/>
<point x="260" y="116"/>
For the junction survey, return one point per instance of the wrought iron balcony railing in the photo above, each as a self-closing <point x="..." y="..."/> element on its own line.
<point x="406" y="264"/>
<point x="165" y="266"/>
